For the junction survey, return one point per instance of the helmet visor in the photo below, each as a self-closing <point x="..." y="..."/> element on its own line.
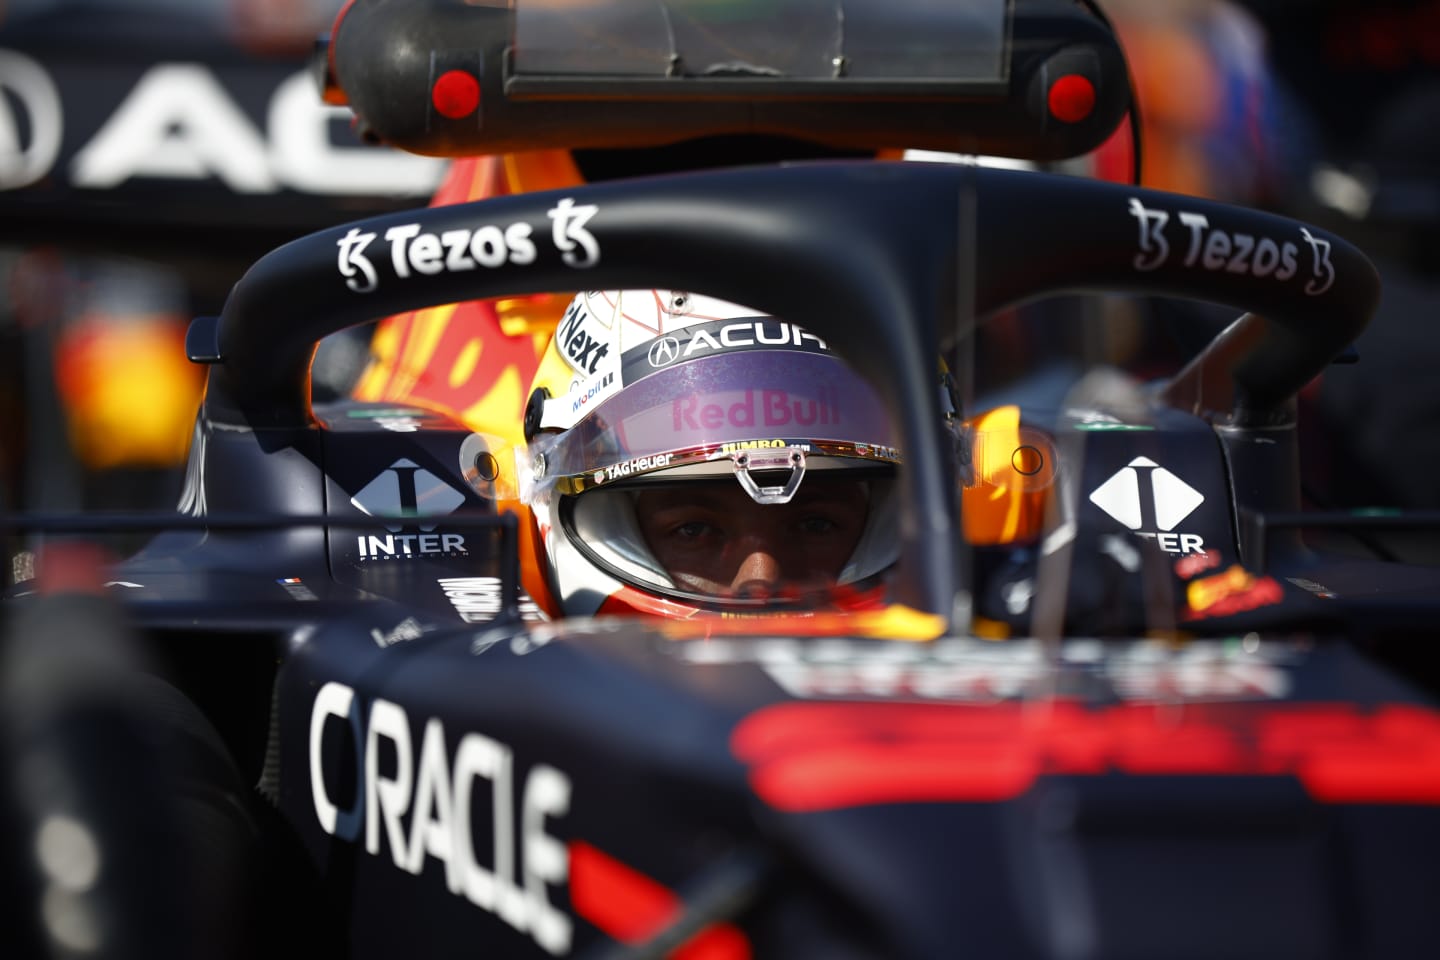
<point x="707" y="409"/>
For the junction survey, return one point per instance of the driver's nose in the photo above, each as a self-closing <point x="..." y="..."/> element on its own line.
<point x="758" y="573"/>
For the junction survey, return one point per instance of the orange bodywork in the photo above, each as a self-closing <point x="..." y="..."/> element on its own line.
<point x="1014" y="470"/>
<point x="130" y="395"/>
<point x="473" y="361"/>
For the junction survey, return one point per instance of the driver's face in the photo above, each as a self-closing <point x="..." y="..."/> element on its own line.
<point x="712" y="538"/>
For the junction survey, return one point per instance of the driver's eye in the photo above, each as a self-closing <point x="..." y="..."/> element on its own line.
<point x="692" y="530"/>
<point x="817" y="524"/>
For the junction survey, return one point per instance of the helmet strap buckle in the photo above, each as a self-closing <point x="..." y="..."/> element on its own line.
<point x="790" y="458"/>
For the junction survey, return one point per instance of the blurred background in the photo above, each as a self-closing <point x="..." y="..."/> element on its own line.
<point x="1327" y="111"/>
<point x="150" y="150"/>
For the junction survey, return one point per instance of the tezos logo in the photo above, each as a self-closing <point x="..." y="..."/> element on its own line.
<point x="407" y="490"/>
<point x="413" y="250"/>
<point x="1220" y="251"/>
<point x="1151" y="501"/>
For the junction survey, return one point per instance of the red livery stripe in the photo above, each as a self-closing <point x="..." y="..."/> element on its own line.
<point x="812" y="756"/>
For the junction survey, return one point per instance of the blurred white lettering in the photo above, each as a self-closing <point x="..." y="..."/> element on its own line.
<point x="432" y="789"/>
<point x="180" y="123"/>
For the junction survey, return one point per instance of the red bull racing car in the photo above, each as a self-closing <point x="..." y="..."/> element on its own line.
<point x="1110" y="700"/>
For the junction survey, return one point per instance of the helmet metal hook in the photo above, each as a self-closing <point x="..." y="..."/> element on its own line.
<point x="790" y="458"/>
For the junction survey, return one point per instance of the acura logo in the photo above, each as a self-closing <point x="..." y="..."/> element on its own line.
<point x="664" y="351"/>
<point x="30" y="121"/>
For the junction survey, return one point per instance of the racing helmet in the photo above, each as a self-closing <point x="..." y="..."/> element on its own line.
<point x="653" y="393"/>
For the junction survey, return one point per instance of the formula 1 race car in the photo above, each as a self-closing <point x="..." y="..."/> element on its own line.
<point x="1157" y="721"/>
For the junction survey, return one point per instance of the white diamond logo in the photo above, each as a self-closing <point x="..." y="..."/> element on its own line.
<point x="406" y="489"/>
<point x="1121" y="496"/>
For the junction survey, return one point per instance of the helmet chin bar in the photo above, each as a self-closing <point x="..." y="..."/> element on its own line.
<point x="792" y="458"/>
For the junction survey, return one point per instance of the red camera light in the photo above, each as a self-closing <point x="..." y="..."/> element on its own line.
<point x="456" y="94"/>
<point x="1072" y="98"/>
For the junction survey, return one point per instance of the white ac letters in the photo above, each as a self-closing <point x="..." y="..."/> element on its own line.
<point x="180" y="123"/>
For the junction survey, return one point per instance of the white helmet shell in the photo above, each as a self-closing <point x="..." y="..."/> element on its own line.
<point x="666" y="385"/>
